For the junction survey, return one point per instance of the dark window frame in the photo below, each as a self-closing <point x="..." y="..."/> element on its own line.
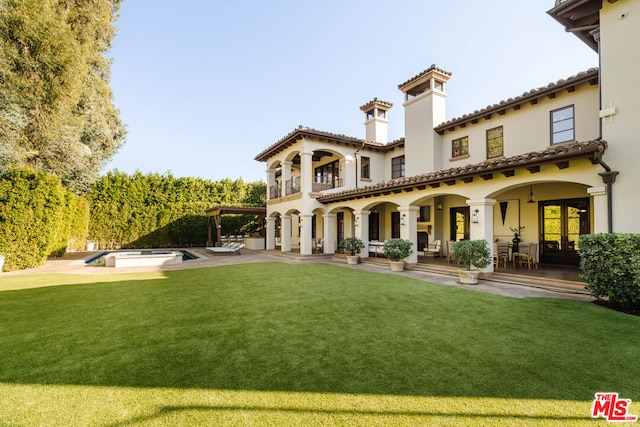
<point x="365" y="167"/>
<point x="491" y="146"/>
<point x="555" y="124"/>
<point x="397" y="167"/>
<point x="459" y="142"/>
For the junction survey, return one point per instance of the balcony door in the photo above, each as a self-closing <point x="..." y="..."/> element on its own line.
<point x="562" y="223"/>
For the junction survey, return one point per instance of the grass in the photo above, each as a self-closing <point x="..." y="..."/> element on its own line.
<point x="278" y="344"/>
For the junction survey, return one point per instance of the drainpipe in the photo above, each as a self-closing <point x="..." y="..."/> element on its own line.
<point x="608" y="178"/>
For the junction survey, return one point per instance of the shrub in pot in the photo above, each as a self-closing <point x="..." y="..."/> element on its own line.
<point x="352" y="247"/>
<point x="396" y="250"/>
<point x="475" y="255"/>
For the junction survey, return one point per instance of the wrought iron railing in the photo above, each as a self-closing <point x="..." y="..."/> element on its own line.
<point x="275" y="191"/>
<point x="326" y="183"/>
<point x="292" y="185"/>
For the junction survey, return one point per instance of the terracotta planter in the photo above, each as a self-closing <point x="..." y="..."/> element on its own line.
<point x="352" y="259"/>
<point x="468" y="277"/>
<point x="397" y="265"/>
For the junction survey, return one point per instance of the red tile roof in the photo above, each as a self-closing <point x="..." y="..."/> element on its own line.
<point x="306" y="132"/>
<point x="559" y="155"/>
<point x="590" y="76"/>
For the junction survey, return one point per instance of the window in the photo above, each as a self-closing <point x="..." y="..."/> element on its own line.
<point x="495" y="142"/>
<point x="562" y="125"/>
<point x="397" y="167"/>
<point x="460" y="147"/>
<point x="328" y="174"/>
<point x="365" y="167"/>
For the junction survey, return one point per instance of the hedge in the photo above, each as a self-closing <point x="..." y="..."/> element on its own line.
<point x="610" y="265"/>
<point x="153" y="210"/>
<point x="38" y="217"/>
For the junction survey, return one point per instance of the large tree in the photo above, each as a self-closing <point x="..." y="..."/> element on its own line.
<point x="56" y="105"/>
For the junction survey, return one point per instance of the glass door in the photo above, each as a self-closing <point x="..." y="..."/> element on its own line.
<point x="563" y="221"/>
<point x="459" y="223"/>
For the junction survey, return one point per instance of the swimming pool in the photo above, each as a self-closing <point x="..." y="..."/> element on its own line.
<point x="143" y="257"/>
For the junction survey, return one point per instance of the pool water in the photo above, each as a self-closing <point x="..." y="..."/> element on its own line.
<point x="99" y="259"/>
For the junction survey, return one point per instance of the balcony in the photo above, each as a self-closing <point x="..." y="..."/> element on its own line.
<point x="326" y="183"/>
<point x="275" y="191"/>
<point x="292" y="185"/>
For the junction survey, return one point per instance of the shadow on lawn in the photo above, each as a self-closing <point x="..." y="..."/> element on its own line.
<point x="223" y="329"/>
<point x="479" y="418"/>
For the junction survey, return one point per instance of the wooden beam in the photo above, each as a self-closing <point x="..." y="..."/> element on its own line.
<point x="450" y="182"/>
<point x="508" y="173"/>
<point x="467" y="179"/>
<point x="487" y="176"/>
<point x="533" y="169"/>
<point x="434" y="185"/>
<point x="563" y="165"/>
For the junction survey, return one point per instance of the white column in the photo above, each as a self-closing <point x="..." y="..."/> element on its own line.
<point x="306" y="172"/>
<point x="305" y="234"/>
<point x="271" y="181"/>
<point x="329" y="237"/>
<point x="286" y="233"/>
<point x="362" y="230"/>
<point x="409" y="229"/>
<point x="286" y="176"/>
<point x="271" y="233"/>
<point x="482" y="212"/>
<point x="600" y="211"/>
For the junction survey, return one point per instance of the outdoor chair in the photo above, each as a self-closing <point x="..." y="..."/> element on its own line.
<point x="230" y="248"/>
<point x="499" y="256"/>
<point x="528" y="256"/>
<point x="449" y="250"/>
<point x="433" y="249"/>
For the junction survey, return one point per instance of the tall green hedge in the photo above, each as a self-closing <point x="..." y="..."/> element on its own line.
<point x="38" y="217"/>
<point x="610" y="264"/>
<point x="153" y="210"/>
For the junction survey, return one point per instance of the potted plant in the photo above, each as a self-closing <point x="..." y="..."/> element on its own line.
<point x="352" y="247"/>
<point x="396" y="250"/>
<point x="472" y="253"/>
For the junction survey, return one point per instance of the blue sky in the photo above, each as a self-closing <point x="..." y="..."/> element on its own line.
<point x="205" y="85"/>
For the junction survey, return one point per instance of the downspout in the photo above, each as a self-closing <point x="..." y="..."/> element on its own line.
<point x="608" y="178"/>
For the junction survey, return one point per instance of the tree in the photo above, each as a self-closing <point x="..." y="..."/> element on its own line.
<point x="56" y="106"/>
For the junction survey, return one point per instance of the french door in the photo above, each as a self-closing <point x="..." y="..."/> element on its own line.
<point x="562" y="223"/>
<point x="459" y="218"/>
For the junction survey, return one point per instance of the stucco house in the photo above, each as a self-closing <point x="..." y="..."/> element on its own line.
<point x="555" y="162"/>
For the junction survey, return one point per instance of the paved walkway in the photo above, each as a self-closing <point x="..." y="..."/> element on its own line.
<point x="73" y="263"/>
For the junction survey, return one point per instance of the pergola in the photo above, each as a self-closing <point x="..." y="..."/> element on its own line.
<point x="214" y="213"/>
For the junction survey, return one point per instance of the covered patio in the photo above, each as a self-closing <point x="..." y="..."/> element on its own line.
<point x="215" y="213"/>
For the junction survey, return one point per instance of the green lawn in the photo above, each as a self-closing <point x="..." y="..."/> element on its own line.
<point x="311" y="344"/>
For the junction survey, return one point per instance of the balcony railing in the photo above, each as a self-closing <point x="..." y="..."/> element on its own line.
<point x="275" y="191"/>
<point x="292" y="185"/>
<point x="326" y="183"/>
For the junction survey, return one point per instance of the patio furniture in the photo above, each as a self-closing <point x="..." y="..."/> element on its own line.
<point x="449" y="250"/>
<point x="230" y="248"/>
<point x="433" y="249"/>
<point x="498" y="256"/>
<point x="375" y="247"/>
<point x="528" y="256"/>
<point x="316" y="245"/>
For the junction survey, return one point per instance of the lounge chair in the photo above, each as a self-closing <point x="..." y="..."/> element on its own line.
<point x="230" y="248"/>
<point x="433" y="249"/>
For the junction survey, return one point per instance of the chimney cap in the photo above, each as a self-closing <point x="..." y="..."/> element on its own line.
<point x="375" y="102"/>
